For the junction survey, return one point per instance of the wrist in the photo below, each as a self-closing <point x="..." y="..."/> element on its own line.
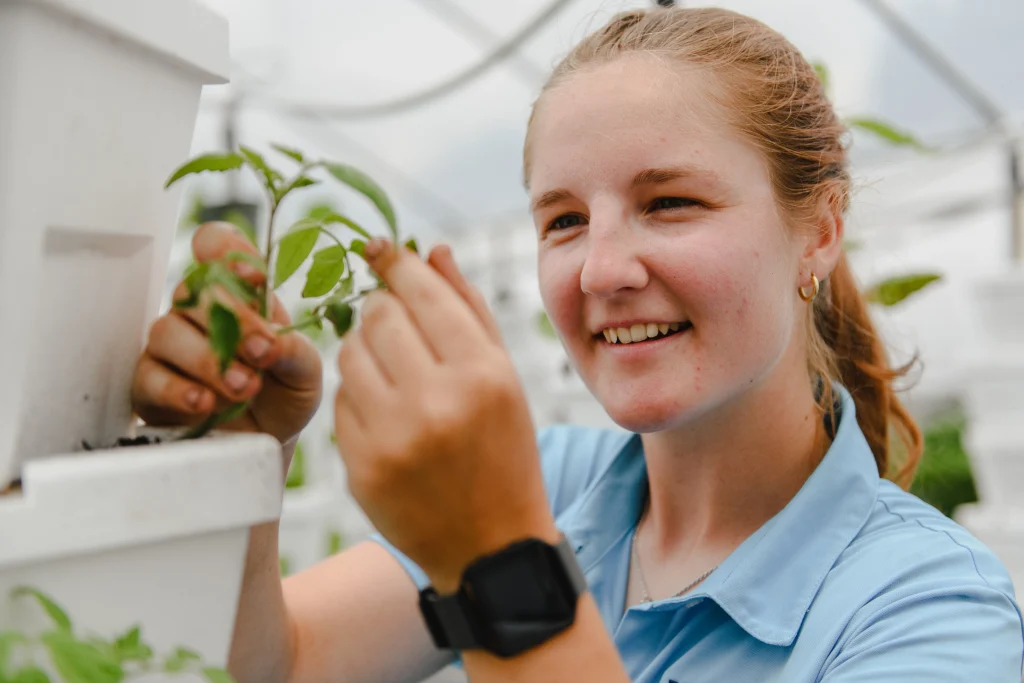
<point x="446" y="580"/>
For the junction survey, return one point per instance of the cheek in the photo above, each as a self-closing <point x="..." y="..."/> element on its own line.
<point x="559" y="281"/>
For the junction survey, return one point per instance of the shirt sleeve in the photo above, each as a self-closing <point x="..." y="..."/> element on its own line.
<point x="939" y="636"/>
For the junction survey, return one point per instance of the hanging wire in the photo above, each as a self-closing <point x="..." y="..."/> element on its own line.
<point x="341" y="112"/>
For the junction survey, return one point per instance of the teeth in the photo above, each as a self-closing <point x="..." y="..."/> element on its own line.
<point x="639" y="332"/>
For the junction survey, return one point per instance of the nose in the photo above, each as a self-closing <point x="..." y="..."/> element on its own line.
<point x="612" y="263"/>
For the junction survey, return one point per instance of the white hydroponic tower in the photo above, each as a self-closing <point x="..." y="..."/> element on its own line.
<point x="98" y="99"/>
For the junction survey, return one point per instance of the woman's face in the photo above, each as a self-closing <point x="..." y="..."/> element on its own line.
<point x="655" y="216"/>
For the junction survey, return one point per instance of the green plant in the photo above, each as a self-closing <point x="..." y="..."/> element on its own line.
<point x="296" y="477"/>
<point x="90" y="659"/>
<point x="330" y="278"/>
<point x="944" y="477"/>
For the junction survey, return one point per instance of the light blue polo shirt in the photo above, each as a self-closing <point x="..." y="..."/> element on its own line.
<point x="854" y="580"/>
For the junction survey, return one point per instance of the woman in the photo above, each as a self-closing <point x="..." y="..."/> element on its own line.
<point x="688" y="184"/>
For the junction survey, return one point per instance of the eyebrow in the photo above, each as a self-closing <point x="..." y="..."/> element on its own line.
<point x="656" y="176"/>
<point x="648" y="176"/>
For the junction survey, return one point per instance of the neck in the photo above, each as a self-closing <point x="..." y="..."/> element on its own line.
<point x="715" y="482"/>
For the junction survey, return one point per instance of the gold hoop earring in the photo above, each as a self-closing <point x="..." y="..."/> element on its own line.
<point x="815" y="287"/>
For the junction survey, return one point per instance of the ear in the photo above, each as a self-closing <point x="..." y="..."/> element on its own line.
<point x="823" y="246"/>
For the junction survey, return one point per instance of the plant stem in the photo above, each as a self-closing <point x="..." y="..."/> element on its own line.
<point x="313" y="320"/>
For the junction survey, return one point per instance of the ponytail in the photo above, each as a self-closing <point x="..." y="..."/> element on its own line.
<point x="848" y="350"/>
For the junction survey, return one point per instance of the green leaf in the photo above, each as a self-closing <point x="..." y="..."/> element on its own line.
<point x="215" y="675"/>
<point x="544" y="325"/>
<point x="294" y="248"/>
<point x="346" y="287"/>
<point x="302" y="181"/>
<point x="58" y="615"/>
<point x="130" y="647"/>
<point x="284" y="565"/>
<point x="886" y="132"/>
<point x="412" y="246"/>
<point x="179" y="659"/>
<point x="196" y="279"/>
<point x="225" y="333"/>
<point x="362" y="183"/>
<point x="80" y="662"/>
<point x="8" y="639"/>
<point x="328" y="267"/>
<point x="340" y="314"/>
<point x="235" y="284"/>
<point x="233" y="413"/>
<point x="334" y="542"/>
<point x="318" y="212"/>
<point x="252" y="259"/>
<point x="357" y="247"/>
<point x="289" y="152"/>
<point x="206" y="162"/>
<point x="894" y="290"/>
<point x="297" y="470"/>
<point x="29" y="674"/>
<point x="344" y="220"/>
<point x="271" y="178"/>
<point x="821" y="69"/>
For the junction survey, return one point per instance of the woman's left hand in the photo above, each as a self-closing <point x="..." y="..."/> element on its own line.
<point x="432" y="422"/>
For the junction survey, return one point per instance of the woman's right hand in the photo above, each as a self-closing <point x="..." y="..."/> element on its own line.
<point x="178" y="381"/>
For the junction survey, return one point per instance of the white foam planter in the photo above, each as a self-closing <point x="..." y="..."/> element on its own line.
<point x="98" y="100"/>
<point x="153" y="535"/>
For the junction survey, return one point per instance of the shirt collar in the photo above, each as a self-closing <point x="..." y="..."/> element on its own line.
<point x="768" y="583"/>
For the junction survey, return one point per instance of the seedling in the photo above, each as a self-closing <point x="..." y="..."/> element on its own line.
<point x="88" y="659"/>
<point x="330" y="278"/>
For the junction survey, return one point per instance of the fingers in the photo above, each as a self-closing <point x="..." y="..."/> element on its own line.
<point x="259" y="346"/>
<point x="393" y="339"/>
<point x="449" y="325"/>
<point x="213" y="241"/>
<point x="442" y="261"/>
<point x="363" y="379"/>
<point x="177" y="343"/>
<point x="297" y="364"/>
<point x="163" y="396"/>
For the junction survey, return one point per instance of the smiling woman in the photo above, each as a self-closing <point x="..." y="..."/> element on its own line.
<point x="688" y="185"/>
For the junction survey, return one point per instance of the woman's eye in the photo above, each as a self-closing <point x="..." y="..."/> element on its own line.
<point x="664" y="203"/>
<point x="569" y="220"/>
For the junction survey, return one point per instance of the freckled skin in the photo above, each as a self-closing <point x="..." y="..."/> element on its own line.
<point x="728" y="267"/>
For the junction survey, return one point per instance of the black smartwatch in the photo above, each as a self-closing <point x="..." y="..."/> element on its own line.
<point x="509" y="601"/>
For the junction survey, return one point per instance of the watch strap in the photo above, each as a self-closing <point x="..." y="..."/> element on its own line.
<point x="453" y="622"/>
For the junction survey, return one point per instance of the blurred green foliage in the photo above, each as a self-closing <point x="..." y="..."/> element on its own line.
<point x="944" y="477"/>
<point x="297" y="470"/>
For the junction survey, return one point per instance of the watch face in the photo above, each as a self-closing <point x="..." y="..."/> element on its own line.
<point x="524" y="586"/>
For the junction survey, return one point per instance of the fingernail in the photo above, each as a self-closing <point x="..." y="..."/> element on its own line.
<point x="236" y="379"/>
<point x="246" y="270"/>
<point x="374" y="248"/>
<point x="256" y="346"/>
<point x="192" y="397"/>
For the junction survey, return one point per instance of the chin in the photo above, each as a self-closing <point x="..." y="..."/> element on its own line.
<point x="649" y="414"/>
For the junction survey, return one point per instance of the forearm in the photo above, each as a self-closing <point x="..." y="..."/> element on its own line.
<point x="584" y="652"/>
<point x="262" y="646"/>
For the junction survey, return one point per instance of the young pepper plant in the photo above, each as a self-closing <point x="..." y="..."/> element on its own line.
<point x="89" y="659"/>
<point x="330" y="277"/>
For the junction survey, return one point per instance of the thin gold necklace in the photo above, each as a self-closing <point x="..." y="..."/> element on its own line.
<point x="645" y="595"/>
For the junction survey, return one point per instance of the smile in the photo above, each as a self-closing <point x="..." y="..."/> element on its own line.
<point x="640" y="332"/>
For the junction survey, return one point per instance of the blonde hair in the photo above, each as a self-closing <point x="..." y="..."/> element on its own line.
<point x="778" y="103"/>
